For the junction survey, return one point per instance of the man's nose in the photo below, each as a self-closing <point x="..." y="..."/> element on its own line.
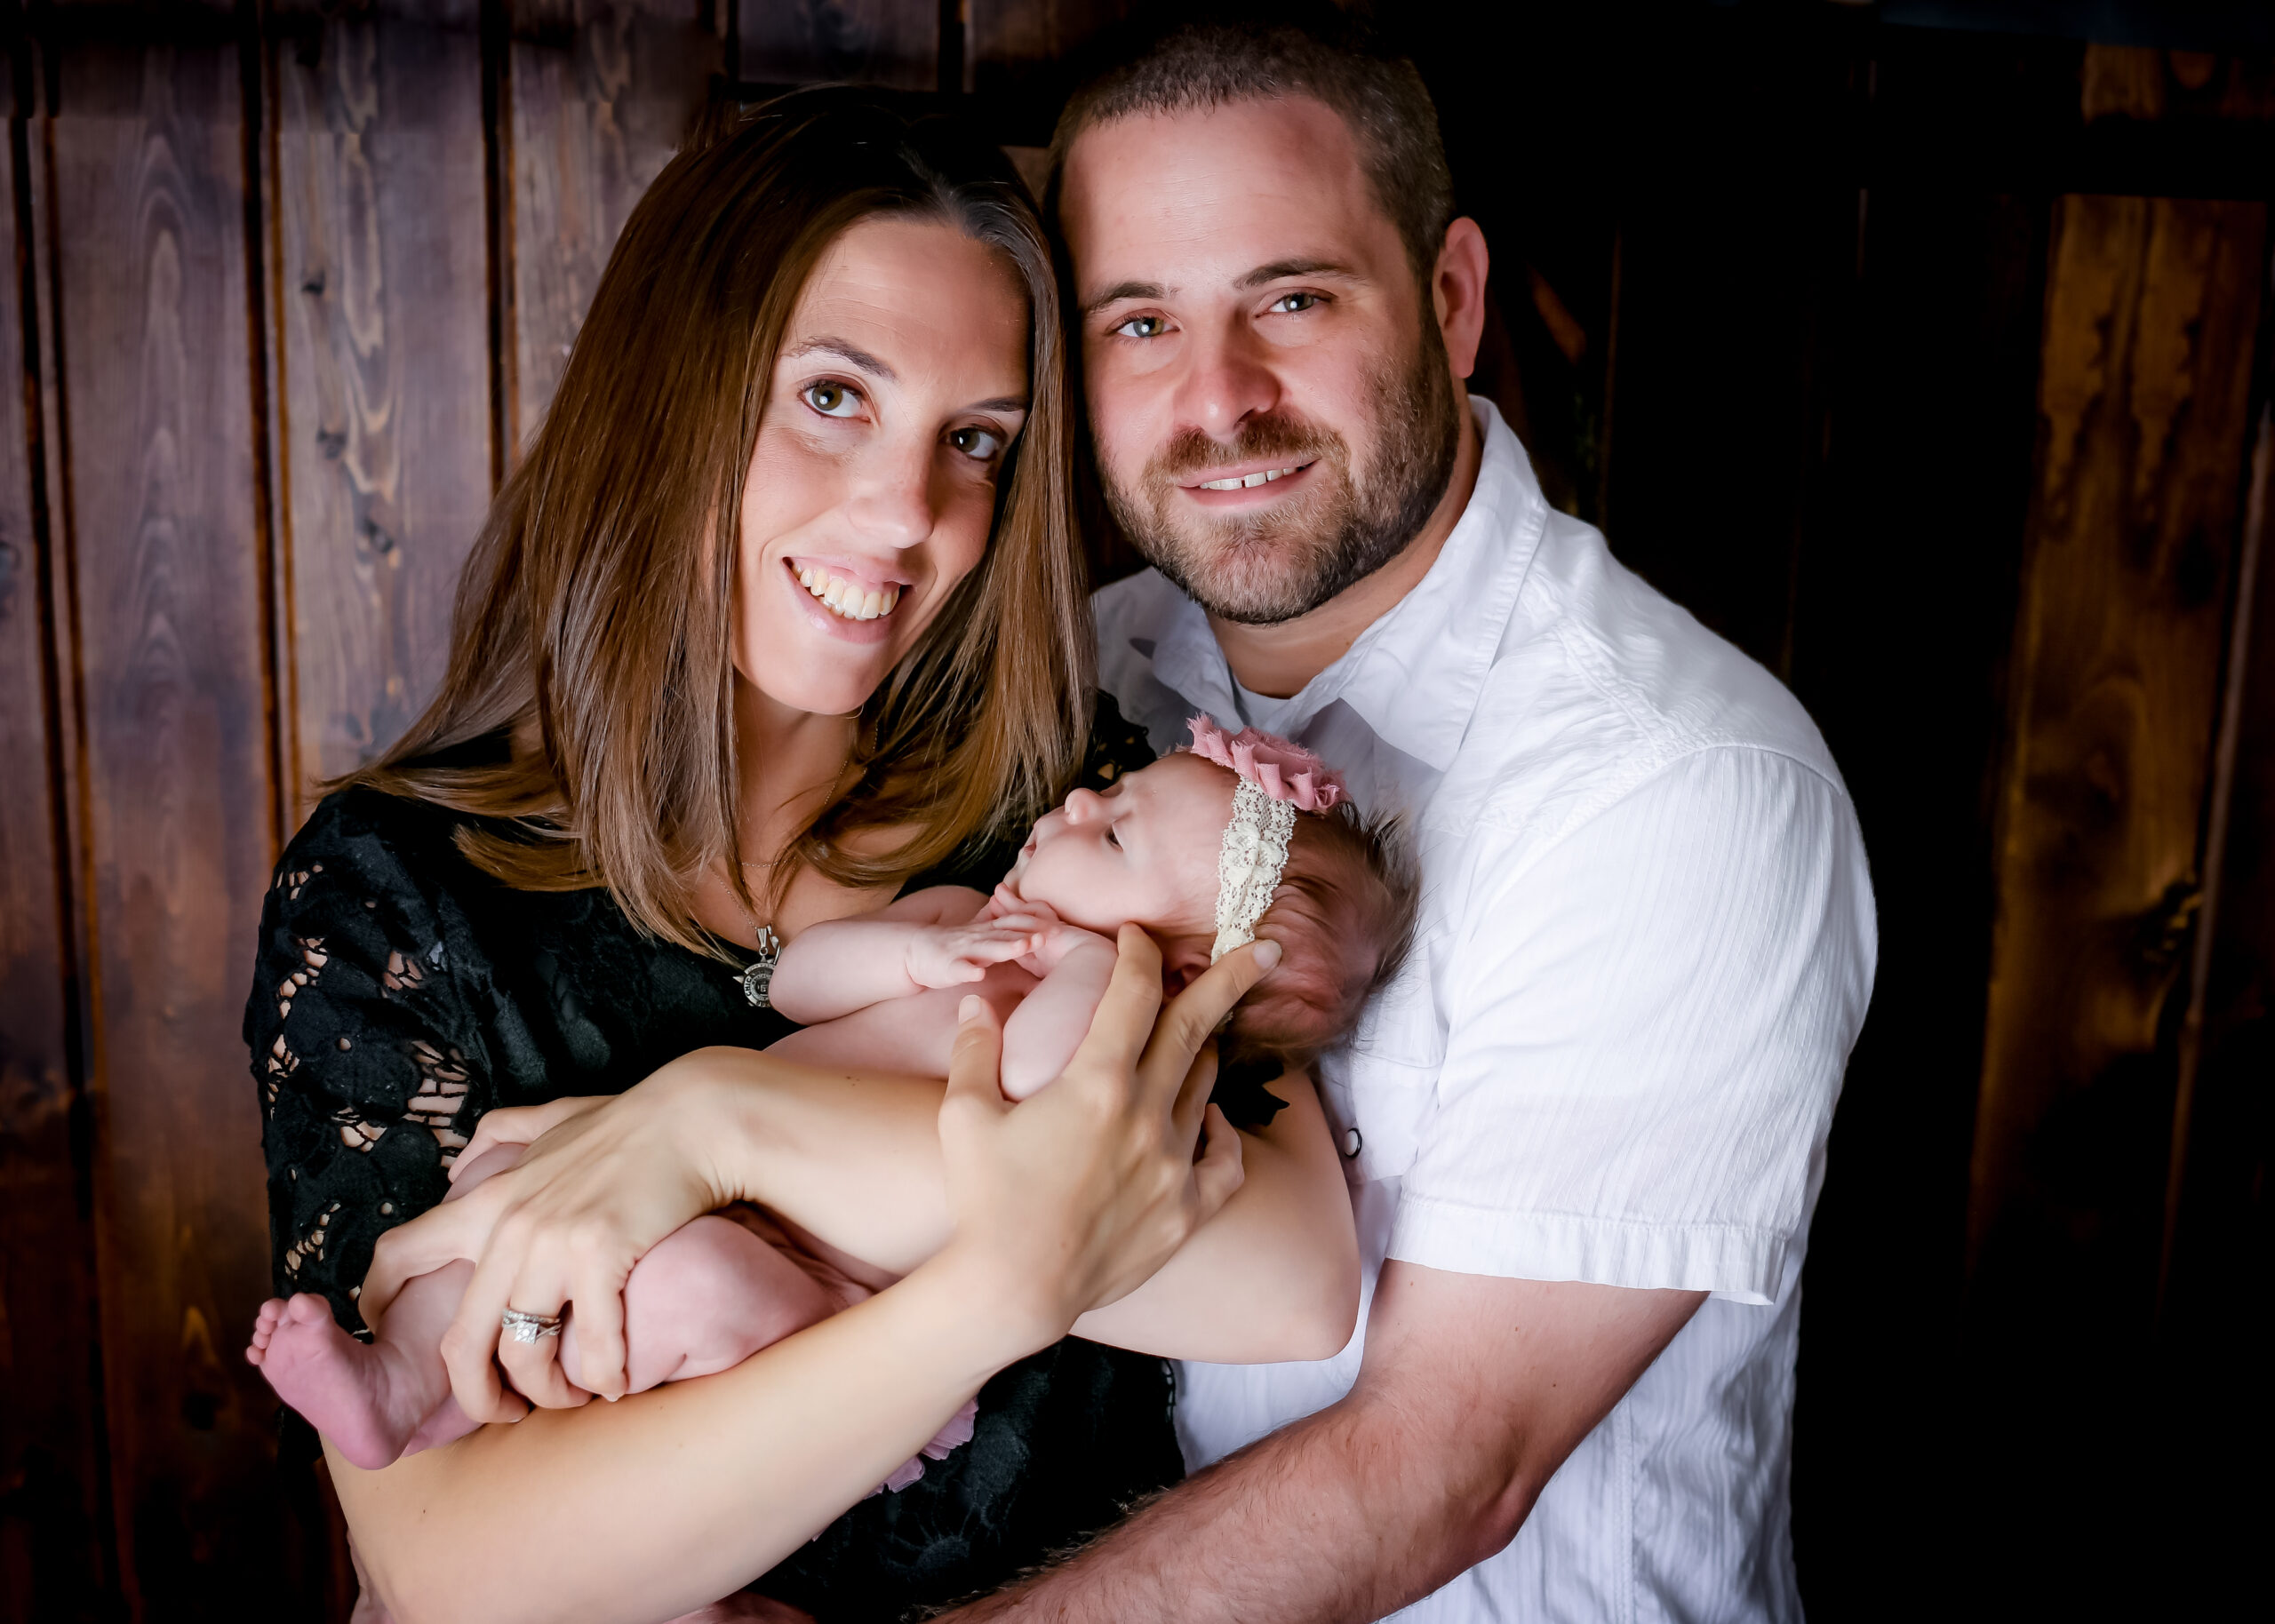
<point x="1228" y="380"/>
<point x="892" y="498"/>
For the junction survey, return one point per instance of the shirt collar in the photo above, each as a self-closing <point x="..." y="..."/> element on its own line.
<point x="1414" y="675"/>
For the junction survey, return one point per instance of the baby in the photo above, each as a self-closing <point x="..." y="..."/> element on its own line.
<point x="1206" y="848"/>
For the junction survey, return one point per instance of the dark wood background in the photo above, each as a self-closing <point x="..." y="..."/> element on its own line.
<point x="1931" y="366"/>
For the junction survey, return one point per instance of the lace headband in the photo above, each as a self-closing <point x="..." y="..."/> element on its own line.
<point x="1276" y="779"/>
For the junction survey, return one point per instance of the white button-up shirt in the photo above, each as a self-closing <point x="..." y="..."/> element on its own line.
<point x="1645" y="947"/>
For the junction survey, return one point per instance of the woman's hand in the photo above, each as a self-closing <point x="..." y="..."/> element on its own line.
<point x="1074" y="1196"/>
<point x="522" y="1125"/>
<point x="602" y="1185"/>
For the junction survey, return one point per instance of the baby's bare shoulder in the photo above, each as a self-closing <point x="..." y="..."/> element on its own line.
<point x="934" y="905"/>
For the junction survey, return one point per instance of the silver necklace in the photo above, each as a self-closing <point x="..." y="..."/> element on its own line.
<point x="757" y="978"/>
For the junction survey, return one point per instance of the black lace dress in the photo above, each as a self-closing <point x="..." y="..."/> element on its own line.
<point x="400" y="993"/>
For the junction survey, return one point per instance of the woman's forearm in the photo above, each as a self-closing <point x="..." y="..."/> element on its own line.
<point x="855" y="1161"/>
<point x="625" y="1513"/>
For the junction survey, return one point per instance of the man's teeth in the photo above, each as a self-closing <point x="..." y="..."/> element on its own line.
<point x="848" y="597"/>
<point x="1250" y="480"/>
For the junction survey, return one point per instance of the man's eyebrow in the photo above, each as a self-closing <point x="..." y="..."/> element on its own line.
<point x="1280" y="268"/>
<point x="1120" y="291"/>
<point x="852" y="354"/>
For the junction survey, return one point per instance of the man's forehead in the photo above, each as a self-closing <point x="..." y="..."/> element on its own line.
<point x="1215" y="193"/>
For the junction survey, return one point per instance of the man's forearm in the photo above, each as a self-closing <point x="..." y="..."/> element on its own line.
<point x="1339" y="1516"/>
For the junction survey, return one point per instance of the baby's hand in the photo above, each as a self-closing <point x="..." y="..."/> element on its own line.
<point x="951" y="955"/>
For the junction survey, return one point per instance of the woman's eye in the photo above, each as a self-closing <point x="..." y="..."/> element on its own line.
<point x="1142" y="327"/>
<point x="979" y="444"/>
<point x="833" y="399"/>
<point x="1288" y="304"/>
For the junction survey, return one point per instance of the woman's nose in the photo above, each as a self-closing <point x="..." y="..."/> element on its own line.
<point x="1083" y="805"/>
<point x="893" y="504"/>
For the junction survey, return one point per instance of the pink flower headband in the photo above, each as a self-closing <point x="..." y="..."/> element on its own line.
<point x="1276" y="778"/>
<point x="1282" y="770"/>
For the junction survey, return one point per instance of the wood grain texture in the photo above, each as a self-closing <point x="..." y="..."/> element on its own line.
<point x="2151" y="307"/>
<point x="383" y="341"/>
<point x="147" y="176"/>
<point x="1014" y="42"/>
<point x="603" y="93"/>
<point x="52" y="1505"/>
<point x="894" y="42"/>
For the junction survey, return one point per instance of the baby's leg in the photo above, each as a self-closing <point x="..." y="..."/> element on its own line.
<point x="704" y="1299"/>
<point x="380" y="1400"/>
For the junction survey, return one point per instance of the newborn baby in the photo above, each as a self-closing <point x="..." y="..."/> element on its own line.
<point x="1206" y="848"/>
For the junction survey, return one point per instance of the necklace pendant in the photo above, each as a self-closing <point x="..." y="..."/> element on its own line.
<point x="758" y="976"/>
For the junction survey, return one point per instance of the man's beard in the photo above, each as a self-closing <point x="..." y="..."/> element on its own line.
<point x="1272" y="566"/>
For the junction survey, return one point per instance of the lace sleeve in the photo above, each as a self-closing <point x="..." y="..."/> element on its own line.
<point x="371" y="1062"/>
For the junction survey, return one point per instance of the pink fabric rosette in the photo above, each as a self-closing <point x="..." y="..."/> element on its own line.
<point x="1282" y="770"/>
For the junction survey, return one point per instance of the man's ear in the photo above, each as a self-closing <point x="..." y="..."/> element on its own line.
<point x="1457" y="293"/>
<point x="1183" y="959"/>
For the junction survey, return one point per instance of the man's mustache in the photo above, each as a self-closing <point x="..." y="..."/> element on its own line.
<point x="1193" y="453"/>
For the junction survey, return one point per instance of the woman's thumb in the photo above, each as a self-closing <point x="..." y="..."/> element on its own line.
<point x="976" y="1063"/>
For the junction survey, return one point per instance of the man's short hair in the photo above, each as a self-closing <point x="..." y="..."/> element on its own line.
<point x="1180" y="62"/>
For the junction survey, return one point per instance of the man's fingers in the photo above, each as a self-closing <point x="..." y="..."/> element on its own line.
<point x="976" y="1063"/>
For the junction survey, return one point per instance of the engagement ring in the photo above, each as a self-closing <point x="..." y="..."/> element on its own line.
<point x="523" y="1327"/>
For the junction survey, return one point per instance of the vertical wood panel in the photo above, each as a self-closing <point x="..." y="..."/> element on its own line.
<point x="50" y="1504"/>
<point x="384" y="346"/>
<point x="1015" y="42"/>
<point x="148" y="156"/>
<point x="868" y="42"/>
<point x="603" y="93"/>
<point x="2151" y="307"/>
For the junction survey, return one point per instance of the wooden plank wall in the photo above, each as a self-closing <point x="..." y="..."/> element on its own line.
<point x="1928" y="368"/>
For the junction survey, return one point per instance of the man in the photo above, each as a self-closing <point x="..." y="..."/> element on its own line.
<point x="1584" y="1128"/>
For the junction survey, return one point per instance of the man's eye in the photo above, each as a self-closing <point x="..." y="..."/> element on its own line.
<point x="1288" y="304"/>
<point x="833" y="399"/>
<point x="1142" y="327"/>
<point x="979" y="444"/>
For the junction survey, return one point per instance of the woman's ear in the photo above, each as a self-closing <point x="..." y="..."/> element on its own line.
<point x="1183" y="958"/>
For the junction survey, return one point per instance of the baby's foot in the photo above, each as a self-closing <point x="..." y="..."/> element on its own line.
<point x="344" y="1388"/>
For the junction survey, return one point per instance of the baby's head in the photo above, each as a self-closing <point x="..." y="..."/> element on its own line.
<point x="1146" y="852"/>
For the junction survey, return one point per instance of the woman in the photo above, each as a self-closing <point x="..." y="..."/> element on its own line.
<point x="735" y="655"/>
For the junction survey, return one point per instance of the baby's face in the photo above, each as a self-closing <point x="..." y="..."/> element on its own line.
<point x="1144" y="852"/>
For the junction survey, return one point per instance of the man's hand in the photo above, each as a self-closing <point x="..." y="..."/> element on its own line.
<point x="1473" y="1391"/>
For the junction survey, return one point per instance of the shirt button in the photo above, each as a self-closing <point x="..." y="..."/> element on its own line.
<point x="1352" y="1142"/>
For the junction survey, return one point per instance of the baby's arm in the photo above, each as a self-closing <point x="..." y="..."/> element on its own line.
<point x="1051" y="1022"/>
<point x="935" y="937"/>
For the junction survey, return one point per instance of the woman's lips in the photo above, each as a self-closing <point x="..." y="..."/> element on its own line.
<point x="834" y="622"/>
<point x="844" y="593"/>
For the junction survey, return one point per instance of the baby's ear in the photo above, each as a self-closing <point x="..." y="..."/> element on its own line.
<point x="1183" y="958"/>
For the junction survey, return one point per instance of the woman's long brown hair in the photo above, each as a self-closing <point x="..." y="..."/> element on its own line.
<point x="593" y="626"/>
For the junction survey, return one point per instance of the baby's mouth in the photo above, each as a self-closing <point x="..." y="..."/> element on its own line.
<point x="846" y="599"/>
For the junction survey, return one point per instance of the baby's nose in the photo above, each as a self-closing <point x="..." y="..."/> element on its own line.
<point x="1083" y="805"/>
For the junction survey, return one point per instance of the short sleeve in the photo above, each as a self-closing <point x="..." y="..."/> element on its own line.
<point x="1647" y="1029"/>
<point x="366" y="1050"/>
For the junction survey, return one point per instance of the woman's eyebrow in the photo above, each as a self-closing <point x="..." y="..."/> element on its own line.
<point x="852" y="354"/>
<point x="1002" y="403"/>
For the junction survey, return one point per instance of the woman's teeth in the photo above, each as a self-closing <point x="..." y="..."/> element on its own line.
<point x="845" y="598"/>
<point x="1248" y="481"/>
